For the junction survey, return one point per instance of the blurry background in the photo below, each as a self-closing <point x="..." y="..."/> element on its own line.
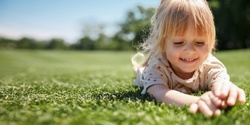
<point x="104" y="24"/>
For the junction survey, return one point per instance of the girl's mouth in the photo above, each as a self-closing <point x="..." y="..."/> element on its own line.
<point x="188" y="60"/>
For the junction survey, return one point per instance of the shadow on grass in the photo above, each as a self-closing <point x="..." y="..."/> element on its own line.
<point x="134" y="94"/>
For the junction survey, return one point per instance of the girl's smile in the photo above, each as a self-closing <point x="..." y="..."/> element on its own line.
<point x="188" y="60"/>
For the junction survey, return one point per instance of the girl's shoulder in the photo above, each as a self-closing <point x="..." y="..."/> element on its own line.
<point x="213" y="61"/>
<point x="157" y="59"/>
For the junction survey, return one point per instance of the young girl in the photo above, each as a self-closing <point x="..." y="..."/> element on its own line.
<point x="180" y="60"/>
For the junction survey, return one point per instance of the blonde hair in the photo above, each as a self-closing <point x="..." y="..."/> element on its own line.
<point x="172" y="18"/>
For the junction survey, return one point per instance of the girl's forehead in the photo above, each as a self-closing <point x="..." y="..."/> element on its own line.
<point x="189" y="37"/>
<point x="189" y="29"/>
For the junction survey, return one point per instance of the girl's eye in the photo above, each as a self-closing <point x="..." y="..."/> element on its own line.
<point x="178" y="43"/>
<point x="200" y="43"/>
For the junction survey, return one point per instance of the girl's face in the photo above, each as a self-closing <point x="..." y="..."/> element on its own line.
<point x="186" y="53"/>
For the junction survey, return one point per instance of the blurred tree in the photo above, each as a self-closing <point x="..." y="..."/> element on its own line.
<point x="103" y="41"/>
<point x="56" y="43"/>
<point x="6" y="43"/>
<point x="94" y="38"/>
<point x="136" y="26"/>
<point x="121" y="43"/>
<point x="232" y="20"/>
<point x="26" y="43"/>
<point x="85" y="43"/>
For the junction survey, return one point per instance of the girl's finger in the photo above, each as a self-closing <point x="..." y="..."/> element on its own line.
<point x="193" y="108"/>
<point x="225" y="90"/>
<point x="223" y="104"/>
<point x="207" y="98"/>
<point x="232" y="97"/>
<point x="214" y="104"/>
<point x="216" y="88"/>
<point x="241" y="96"/>
<point x="217" y="112"/>
<point x="215" y="100"/>
<point x="203" y="107"/>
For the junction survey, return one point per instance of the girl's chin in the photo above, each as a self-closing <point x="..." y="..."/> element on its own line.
<point x="188" y="70"/>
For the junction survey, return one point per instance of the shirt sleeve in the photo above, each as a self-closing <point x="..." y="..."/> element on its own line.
<point x="217" y="72"/>
<point x="153" y="74"/>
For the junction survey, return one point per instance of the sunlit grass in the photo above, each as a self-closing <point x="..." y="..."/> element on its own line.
<point x="74" y="87"/>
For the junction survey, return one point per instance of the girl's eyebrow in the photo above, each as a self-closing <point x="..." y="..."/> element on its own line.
<point x="201" y="38"/>
<point x="177" y="39"/>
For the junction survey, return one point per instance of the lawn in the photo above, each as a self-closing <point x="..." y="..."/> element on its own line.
<point x="89" y="88"/>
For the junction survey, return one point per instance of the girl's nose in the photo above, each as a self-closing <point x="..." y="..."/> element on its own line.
<point x="189" y="47"/>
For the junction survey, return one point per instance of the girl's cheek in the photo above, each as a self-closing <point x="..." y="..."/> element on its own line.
<point x="202" y="49"/>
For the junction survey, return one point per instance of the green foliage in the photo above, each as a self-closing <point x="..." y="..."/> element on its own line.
<point x="136" y="28"/>
<point x="7" y="43"/>
<point x="232" y="20"/>
<point x="56" y="43"/>
<point x="29" y="43"/>
<point x="95" y="87"/>
<point x="85" y="44"/>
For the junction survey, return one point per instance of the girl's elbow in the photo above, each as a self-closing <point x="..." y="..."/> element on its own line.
<point x="158" y="92"/>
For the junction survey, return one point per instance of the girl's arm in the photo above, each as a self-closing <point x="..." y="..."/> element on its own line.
<point x="171" y="97"/>
<point x="207" y="103"/>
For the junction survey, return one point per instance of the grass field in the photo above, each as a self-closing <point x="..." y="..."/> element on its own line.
<point x="85" y="88"/>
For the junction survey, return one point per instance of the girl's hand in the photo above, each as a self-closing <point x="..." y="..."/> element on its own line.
<point x="229" y="92"/>
<point x="208" y="104"/>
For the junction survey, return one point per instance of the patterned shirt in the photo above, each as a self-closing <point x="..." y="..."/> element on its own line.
<point x="158" y="71"/>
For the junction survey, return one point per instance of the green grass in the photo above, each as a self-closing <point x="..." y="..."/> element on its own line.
<point x="71" y="87"/>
